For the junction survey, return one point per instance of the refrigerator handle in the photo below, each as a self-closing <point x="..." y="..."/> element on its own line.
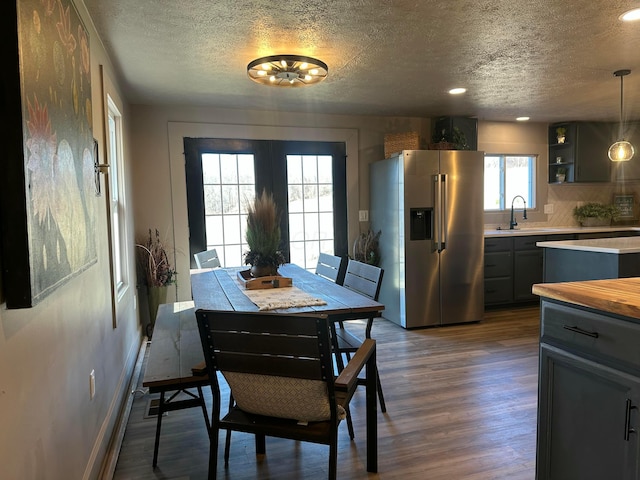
<point x="437" y="221"/>
<point x="444" y="209"/>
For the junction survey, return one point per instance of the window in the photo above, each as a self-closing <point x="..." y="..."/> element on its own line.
<point x="506" y="176"/>
<point x="229" y="186"/>
<point x="311" y="219"/>
<point x="117" y="199"/>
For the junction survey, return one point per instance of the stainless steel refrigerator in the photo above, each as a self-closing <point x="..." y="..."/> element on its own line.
<point x="429" y="206"/>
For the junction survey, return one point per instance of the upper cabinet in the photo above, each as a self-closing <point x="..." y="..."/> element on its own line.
<point x="578" y="152"/>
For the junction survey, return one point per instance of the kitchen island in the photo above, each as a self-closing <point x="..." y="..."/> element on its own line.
<point x="590" y="259"/>
<point x="589" y="380"/>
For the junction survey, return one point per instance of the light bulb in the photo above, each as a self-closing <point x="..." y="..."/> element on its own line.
<point x="283" y="63"/>
<point x="266" y="66"/>
<point x="308" y="77"/>
<point x="313" y="71"/>
<point x="262" y="73"/>
<point x="621" y="151"/>
<point x="304" y="65"/>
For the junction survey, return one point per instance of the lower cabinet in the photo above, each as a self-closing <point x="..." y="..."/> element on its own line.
<point x="588" y="417"/>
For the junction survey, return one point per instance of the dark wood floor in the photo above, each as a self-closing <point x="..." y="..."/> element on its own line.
<point x="461" y="404"/>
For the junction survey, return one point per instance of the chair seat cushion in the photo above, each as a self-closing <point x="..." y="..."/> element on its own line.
<point x="281" y="397"/>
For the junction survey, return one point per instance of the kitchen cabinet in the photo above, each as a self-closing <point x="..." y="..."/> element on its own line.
<point x="498" y="271"/>
<point x="588" y="395"/>
<point x="583" y="154"/>
<point x="527" y="266"/>
<point x="512" y="265"/>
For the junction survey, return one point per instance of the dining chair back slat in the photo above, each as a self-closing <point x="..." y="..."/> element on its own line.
<point x="363" y="278"/>
<point x="331" y="267"/>
<point x="207" y="259"/>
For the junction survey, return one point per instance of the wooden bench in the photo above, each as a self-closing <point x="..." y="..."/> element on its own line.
<point x="176" y="363"/>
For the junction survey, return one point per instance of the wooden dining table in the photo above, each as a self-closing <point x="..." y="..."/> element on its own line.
<point x="220" y="289"/>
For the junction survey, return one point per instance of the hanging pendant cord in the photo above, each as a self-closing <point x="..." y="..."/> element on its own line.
<point x="621" y="106"/>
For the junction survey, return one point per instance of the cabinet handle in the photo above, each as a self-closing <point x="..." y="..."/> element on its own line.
<point x="580" y="331"/>
<point x="627" y="420"/>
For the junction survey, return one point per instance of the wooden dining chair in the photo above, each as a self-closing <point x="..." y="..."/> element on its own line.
<point x="280" y="373"/>
<point x="331" y="267"/>
<point x="366" y="280"/>
<point x="207" y="259"/>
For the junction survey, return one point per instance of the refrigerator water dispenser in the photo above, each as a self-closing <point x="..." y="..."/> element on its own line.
<point x="421" y="223"/>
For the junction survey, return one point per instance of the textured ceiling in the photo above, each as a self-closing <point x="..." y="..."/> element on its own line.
<point x="547" y="59"/>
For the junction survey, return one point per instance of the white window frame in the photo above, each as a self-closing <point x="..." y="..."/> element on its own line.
<point x="117" y="202"/>
<point x="505" y="203"/>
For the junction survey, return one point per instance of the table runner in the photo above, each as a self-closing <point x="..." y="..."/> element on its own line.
<point x="284" y="297"/>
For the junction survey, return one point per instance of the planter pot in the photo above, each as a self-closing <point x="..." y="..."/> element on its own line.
<point x="263" y="270"/>
<point x="560" y="177"/>
<point x="157" y="295"/>
<point x="561" y="138"/>
<point x="595" y="222"/>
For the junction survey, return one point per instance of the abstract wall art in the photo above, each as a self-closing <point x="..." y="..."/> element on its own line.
<point x="47" y="207"/>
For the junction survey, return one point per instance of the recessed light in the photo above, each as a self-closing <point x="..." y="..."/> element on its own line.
<point x="457" y="91"/>
<point x="522" y="119"/>
<point x="630" y="15"/>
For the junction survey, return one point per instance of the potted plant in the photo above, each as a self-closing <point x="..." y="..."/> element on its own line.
<point x="263" y="237"/>
<point x="560" y="134"/>
<point x="155" y="272"/>
<point x="366" y="248"/>
<point x="561" y="174"/>
<point x="594" y="214"/>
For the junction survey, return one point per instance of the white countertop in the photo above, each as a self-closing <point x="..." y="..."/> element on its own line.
<point x="519" y="232"/>
<point x="618" y="245"/>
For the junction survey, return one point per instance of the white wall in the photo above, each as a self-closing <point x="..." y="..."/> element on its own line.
<point x="49" y="427"/>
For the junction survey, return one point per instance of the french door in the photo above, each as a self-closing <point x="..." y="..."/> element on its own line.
<point x="308" y="183"/>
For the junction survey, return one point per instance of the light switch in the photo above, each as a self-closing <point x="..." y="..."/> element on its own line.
<point x="363" y="215"/>
<point x="548" y="208"/>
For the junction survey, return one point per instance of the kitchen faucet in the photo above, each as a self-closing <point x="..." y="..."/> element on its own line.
<point x="512" y="222"/>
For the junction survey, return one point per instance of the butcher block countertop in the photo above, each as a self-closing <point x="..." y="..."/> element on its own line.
<point x="620" y="296"/>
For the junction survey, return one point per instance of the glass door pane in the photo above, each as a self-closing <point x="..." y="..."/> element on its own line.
<point x="310" y="208"/>
<point x="229" y="186"/>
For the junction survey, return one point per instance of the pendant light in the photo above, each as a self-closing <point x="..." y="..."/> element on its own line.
<point x="621" y="151"/>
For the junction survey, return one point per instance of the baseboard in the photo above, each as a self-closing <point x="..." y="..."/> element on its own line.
<point x="110" y="460"/>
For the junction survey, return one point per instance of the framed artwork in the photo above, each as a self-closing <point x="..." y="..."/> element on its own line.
<point x="48" y="190"/>
<point x="626" y="207"/>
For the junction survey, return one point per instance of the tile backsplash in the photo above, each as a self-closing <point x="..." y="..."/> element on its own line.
<point x="565" y="197"/>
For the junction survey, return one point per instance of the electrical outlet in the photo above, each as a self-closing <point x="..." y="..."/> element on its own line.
<point x="548" y="208"/>
<point x="92" y="384"/>
<point x="363" y="215"/>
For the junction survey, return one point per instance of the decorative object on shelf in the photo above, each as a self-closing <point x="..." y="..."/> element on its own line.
<point x="287" y="70"/>
<point x="366" y="248"/>
<point x="595" y="214"/>
<point x="396" y="142"/>
<point x="156" y="272"/>
<point x="558" y="159"/>
<point x="561" y="174"/>
<point x="561" y="134"/>
<point x="621" y="150"/>
<point x="263" y="236"/>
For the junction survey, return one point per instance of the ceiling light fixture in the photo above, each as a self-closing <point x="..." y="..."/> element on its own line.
<point x="457" y="91"/>
<point x="621" y="151"/>
<point x="630" y="15"/>
<point x="522" y="119"/>
<point x="287" y="70"/>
